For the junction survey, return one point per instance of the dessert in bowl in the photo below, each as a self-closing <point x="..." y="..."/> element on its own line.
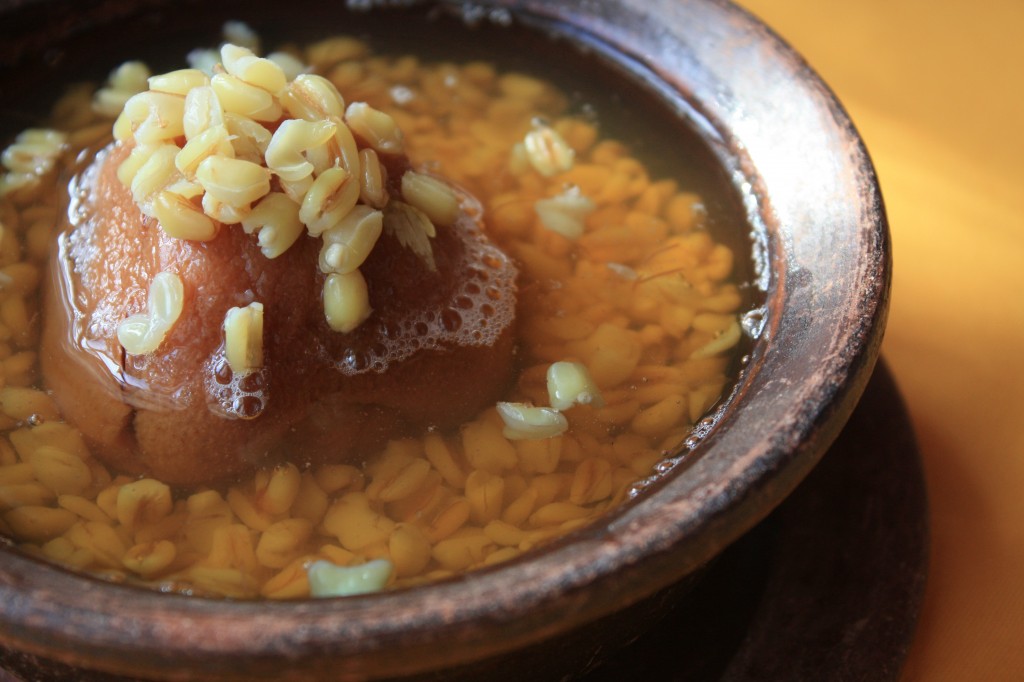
<point x="695" y="485"/>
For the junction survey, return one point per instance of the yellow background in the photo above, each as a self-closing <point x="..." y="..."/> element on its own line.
<point x="936" y="88"/>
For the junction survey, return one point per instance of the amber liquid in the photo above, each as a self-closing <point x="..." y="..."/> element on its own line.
<point x="622" y="107"/>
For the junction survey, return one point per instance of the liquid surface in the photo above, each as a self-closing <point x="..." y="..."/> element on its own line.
<point x="645" y="298"/>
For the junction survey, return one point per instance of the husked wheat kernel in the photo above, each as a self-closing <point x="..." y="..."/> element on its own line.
<point x="291" y="582"/>
<point x="236" y="182"/>
<point x="16" y="472"/>
<point x="570" y="383"/>
<point x="723" y="341"/>
<point x="240" y="33"/>
<point x="179" y="82"/>
<point x="33" y="152"/>
<point x="156" y="117"/>
<point x="276" y="490"/>
<point x="466" y="548"/>
<point x="376" y="127"/>
<point x="38" y="523"/>
<point x="335" y="477"/>
<point x="441" y="458"/>
<point x="60" y="471"/>
<point x="16" y="495"/>
<point x="284" y="154"/>
<point x="485" y="493"/>
<point x="311" y="501"/>
<point x="144" y="332"/>
<point x="214" y="141"/>
<point x="233" y="548"/>
<point x="182" y="219"/>
<point x="548" y="152"/>
<point x="275" y="220"/>
<point x="349" y="242"/>
<point x="346" y="301"/>
<point x="330" y="198"/>
<point x="282" y="542"/>
<point x="126" y="80"/>
<point x="565" y="213"/>
<point x="313" y="98"/>
<point x="222" y="211"/>
<point x="249" y="139"/>
<point x="243" y="338"/>
<point x="154" y="174"/>
<point x="524" y="421"/>
<point x="372" y="179"/>
<point x="86" y="509"/>
<point x="202" y="111"/>
<point x="240" y="62"/>
<point x="409" y="548"/>
<point x="432" y="196"/>
<point x="486" y="448"/>
<point x="245" y="99"/>
<point x="292" y="66"/>
<point x="403" y="483"/>
<point x="143" y="501"/>
<point x="355" y="524"/>
<point x="150" y="558"/>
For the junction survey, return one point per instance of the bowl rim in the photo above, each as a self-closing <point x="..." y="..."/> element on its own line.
<point x="762" y="105"/>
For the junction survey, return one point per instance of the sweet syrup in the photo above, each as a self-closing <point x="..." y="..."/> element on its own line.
<point x="605" y="440"/>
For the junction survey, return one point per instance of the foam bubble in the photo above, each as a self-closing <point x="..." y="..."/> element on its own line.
<point x="234" y="396"/>
<point x="480" y="308"/>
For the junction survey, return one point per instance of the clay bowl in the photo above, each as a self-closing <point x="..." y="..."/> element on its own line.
<point x="821" y="247"/>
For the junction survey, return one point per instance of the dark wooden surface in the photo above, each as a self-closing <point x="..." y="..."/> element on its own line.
<point x="828" y="588"/>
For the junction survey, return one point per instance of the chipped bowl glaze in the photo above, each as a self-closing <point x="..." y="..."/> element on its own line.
<point x="813" y="201"/>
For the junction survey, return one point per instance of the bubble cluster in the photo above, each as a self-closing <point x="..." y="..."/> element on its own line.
<point x="235" y="395"/>
<point x="480" y="308"/>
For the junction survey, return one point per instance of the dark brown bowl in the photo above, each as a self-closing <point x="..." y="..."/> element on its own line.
<point x="822" y="254"/>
